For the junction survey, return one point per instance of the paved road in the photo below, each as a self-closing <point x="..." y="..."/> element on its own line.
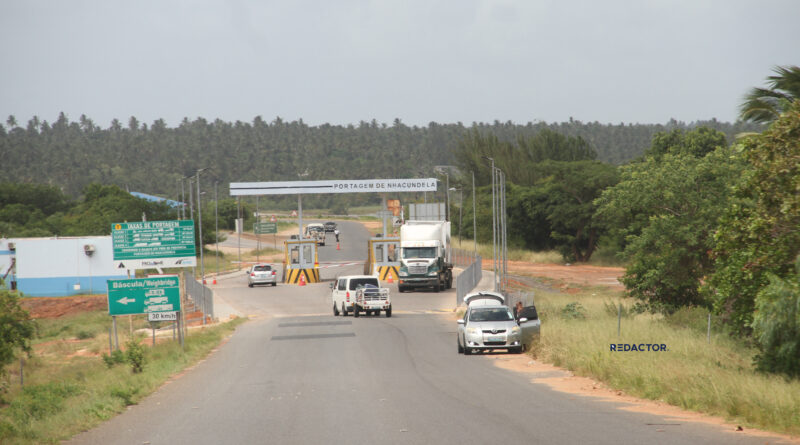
<point x="296" y="374"/>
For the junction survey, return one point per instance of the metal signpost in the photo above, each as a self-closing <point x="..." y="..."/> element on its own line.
<point x="154" y="244"/>
<point x="144" y="295"/>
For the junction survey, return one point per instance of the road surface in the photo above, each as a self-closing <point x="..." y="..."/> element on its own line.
<point x="296" y="374"/>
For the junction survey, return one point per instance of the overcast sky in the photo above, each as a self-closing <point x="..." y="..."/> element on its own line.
<point x="344" y="61"/>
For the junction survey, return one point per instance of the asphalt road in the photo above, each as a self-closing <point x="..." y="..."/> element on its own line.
<point x="296" y="374"/>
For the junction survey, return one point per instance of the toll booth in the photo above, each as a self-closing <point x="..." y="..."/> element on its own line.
<point x="384" y="258"/>
<point x="300" y="259"/>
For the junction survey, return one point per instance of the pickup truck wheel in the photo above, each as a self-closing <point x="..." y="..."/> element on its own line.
<point x="388" y="312"/>
<point x="355" y="311"/>
<point x="335" y="310"/>
<point x="344" y="310"/>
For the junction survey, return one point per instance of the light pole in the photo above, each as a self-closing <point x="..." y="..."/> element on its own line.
<point x="200" y="226"/>
<point x="474" y="217"/>
<point x="460" y="210"/>
<point x="216" y="228"/>
<point x="494" y="224"/>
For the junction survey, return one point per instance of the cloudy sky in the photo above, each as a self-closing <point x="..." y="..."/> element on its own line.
<point x="342" y="61"/>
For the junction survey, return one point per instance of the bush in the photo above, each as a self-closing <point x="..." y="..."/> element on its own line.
<point x="126" y="394"/>
<point x="115" y="358"/>
<point x="573" y="311"/>
<point x="776" y="325"/>
<point x="613" y="309"/>
<point x="135" y="355"/>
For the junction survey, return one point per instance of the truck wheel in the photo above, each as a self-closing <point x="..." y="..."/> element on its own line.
<point x="355" y="311"/>
<point x="389" y="312"/>
<point x="335" y="310"/>
<point x="344" y="310"/>
<point x="401" y="288"/>
<point x="449" y="281"/>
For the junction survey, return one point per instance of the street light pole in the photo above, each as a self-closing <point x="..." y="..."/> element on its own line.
<point x="494" y="223"/>
<point x="216" y="227"/>
<point x="474" y="217"/>
<point x="200" y="225"/>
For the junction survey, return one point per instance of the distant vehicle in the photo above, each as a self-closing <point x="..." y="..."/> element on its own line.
<point x="261" y="274"/>
<point x="489" y="324"/>
<point x="316" y="231"/>
<point x="425" y="256"/>
<point x="344" y="294"/>
<point x="330" y="226"/>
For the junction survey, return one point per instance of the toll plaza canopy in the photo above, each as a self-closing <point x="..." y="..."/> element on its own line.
<point x="333" y="186"/>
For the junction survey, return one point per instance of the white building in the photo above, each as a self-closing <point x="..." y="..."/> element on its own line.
<point x="57" y="267"/>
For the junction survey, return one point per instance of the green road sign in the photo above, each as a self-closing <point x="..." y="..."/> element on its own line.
<point x="143" y="295"/>
<point x="265" y="227"/>
<point x="149" y="244"/>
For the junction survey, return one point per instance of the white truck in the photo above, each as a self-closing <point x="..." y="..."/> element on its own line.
<point x="360" y="293"/>
<point x="425" y="256"/>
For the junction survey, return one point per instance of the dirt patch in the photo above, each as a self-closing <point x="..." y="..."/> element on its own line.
<point x="564" y="276"/>
<point x="54" y="307"/>
<point x="564" y="381"/>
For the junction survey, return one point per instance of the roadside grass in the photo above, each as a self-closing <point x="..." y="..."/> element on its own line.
<point x="717" y="378"/>
<point x="68" y="387"/>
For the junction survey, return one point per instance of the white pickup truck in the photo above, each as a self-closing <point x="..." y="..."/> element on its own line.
<point x="360" y="293"/>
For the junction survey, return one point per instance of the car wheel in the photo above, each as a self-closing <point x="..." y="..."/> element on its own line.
<point x="249" y="284"/>
<point x="335" y="310"/>
<point x="388" y="312"/>
<point x="274" y="284"/>
<point x="355" y="311"/>
<point x="460" y="348"/>
<point x="517" y="350"/>
<point x="344" y="310"/>
<point x="467" y="350"/>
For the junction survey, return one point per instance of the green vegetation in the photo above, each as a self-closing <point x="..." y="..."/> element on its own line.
<point x="71" y="387"/>
<point x="16" y="332"/>
<point x="765" y="105"/>
<point x="716" y="378"/>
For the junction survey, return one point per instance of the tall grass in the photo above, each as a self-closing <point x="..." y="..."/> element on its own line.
<point x="66" y="393"/>
<point x="716" y="377"/>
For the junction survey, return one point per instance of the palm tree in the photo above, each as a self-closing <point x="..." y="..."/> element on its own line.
<point x="764" y="105"/>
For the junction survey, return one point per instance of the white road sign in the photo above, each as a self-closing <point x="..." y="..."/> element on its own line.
<point x="333" y="186"/>
<point x="162" y="316"/>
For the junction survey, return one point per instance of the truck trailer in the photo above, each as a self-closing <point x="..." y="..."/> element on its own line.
<point x="425" y="256"/>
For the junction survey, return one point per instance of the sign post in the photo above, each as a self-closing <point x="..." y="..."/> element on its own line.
<point x="154" y="244"/>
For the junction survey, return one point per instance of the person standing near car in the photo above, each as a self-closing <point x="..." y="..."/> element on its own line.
<point x="517" y="310"/>
<point x="336" y="232"/>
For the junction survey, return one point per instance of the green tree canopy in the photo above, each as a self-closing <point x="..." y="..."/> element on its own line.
<point x="760" y="232"/>
<point x="765" y="105"/>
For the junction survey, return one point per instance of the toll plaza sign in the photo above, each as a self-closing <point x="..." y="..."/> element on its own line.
<point x="144" y="295"/>
<point x="154" y="244"/>
<point x="333" y="186"/>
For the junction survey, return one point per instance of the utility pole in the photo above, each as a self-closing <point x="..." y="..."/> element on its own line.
<point x="200" y="225"/>
<point x="474" y="217"/>
<point x="216" y="227"/>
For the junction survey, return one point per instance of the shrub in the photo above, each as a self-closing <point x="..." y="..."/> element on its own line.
<point x="135" y="355"/>
<point x="39" y="401"/>
<point x="84" y="335"/>
<point x="126" y="394"/>
<point x="115" y="358"/>
<point x="573" y="311"/>
<point x="776" y="325"/>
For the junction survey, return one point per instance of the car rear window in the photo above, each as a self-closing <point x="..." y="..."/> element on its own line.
<point x="262" y="268"/>
<point x="500" y="313"/>
<point x="355" y="283"/>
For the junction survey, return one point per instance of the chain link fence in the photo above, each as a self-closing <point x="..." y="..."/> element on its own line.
<point x="470" y="276"/>
<point x="200" y="295"/>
